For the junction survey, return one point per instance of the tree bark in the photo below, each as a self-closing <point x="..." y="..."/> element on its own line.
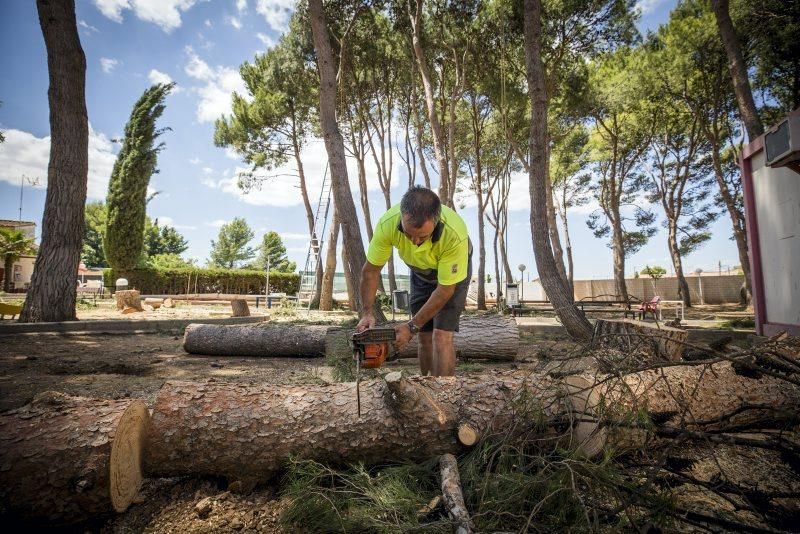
<point x="490" y="337"/>
<point x="52" y="292"/>
<point x="677" y="263"/>
<point x="618" y="252"/>
<point x="552" y="226"/>
<point x="326" y="298"/>
<point x="576" y="324"/>
<point x="67" y="459"/>
<point x="430" y="103"/>
<point x="453" y="497"/>
<point x="239" y="308"/>
<point x="307" y="341"/>
<point x="662" y="342"/>
<point x="248" y="432"/>
<point x="334" y="145"/>
<point x="738" y="68"/>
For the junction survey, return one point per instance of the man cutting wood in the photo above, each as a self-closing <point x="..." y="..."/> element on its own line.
<point x="432" y="240"/>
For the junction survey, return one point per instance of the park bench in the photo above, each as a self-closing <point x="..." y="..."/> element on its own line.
<point x="94" y="292"/>
<point x="9" y="309"/>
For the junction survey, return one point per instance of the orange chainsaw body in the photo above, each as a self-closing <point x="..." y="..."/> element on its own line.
<point x="374" y="355"/>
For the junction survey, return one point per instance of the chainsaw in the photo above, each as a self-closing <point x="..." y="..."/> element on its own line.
<point x="370" y="349"/>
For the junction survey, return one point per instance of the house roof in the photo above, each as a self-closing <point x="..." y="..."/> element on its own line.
<point x="5" y="223"/>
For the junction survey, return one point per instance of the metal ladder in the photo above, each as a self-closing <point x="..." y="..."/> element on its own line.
<point x="308" y="277"/>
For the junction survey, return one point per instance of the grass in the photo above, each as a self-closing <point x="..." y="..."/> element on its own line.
<point x="739" y="322"/>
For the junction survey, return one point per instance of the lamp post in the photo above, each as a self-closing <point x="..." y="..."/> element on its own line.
<point x="698" y="272"/>
<point x="521" y="268"/>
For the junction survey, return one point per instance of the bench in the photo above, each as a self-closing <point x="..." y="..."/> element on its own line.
<point x="276" y="298"/>
<point x="9" y="309"/>
<point x="94" y="292"/>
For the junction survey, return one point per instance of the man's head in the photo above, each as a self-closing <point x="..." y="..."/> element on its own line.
<point x="420" y="209"/>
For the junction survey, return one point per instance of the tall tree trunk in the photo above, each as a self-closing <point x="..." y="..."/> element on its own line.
<point x="552" y="222"/>
<point x="312" y="232"/>
<point x="618" y="247"/>
<point x="677" y="263"/>
<point x="52" y="293"/>
<point x="739" y="229"/>
<point x="348" y="279"/>
<point x="334" y="145"/>
<point x="433" y="117"/>
<point x="496" y="269"/>
<point x="481" y="256"/>
<point x="576" y="324"/>
<point x="568" y="244"/>
<point x="390" y="263"/>
<point x="326" y="296"/>
<point x="738" y="68"/>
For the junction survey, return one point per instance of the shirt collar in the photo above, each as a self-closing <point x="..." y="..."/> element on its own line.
<point x="435" y="236"/>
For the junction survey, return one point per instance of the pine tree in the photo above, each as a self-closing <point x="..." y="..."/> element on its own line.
<point x="230" y="248"/>
<point x="127" y="191"/>
<point x="273" y="249"/>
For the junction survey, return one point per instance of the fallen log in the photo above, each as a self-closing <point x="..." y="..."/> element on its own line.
<point x="248" y="432"/>
<point x="489" y="336"/>
<point x="65" y="459"/>
<point x="662" y="343"/>
<point x="255" y="340"/>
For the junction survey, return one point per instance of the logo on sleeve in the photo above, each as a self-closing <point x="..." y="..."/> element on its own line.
<point x="454" y="268"/>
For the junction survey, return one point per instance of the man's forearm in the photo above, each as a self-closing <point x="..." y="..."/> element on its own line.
<point x="367" y="289"/>
<point x="435" y="302"/>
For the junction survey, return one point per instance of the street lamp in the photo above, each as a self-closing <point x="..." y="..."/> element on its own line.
<point x="521" y="268"/>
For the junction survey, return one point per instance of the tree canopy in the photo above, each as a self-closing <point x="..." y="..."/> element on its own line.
<point x="230" y="249"/>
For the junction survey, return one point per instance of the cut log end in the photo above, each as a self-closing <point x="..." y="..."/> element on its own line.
<point x="467" y="434"/>
<point x="239" y="308"/>
<point x="125" y="468"/>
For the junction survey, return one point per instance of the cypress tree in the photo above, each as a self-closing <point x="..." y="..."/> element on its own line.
<point x="127" y="190"/>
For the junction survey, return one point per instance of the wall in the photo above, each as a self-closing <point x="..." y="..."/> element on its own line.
<point x="720" y="289"/>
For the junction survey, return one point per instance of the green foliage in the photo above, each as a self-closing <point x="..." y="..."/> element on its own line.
<point x="230" y="249"/>
<point x="13" y="245"/>
<point x="357" y="499"/>
<point x="169" y="261"/>
<point x="272" y="249"/>
<point x="162" y="240"/>
<point x="172" y="281"/>
<point x="127" y="189"/>
<point x="655" y="272"/>
<point x="92" y="254"/>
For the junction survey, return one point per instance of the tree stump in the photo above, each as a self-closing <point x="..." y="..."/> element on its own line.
<point x="240" y="308"/>
<point x="255" y="340"/>
<point x="128" y="298"/>
<point x="65" y="459"/>
<point x="489" y="337"/>
<point x="169" y="303"/>
<point x="156" y="303"/>
<point x="663" y="343"/>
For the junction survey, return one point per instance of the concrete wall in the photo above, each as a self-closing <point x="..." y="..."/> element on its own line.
<point x="715" y="289"/>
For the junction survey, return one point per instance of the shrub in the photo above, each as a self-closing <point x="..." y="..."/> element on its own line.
<point x="173" y="281"/>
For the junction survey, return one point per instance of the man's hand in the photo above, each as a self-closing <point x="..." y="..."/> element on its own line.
<point x="366" y="322"/>
<point x="402" y="335"/>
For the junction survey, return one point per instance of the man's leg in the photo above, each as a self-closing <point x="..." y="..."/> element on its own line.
<point x="425" y="353"/>
<point x="444" y="353"/>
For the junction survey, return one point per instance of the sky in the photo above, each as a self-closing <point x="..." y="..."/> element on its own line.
<point x="131" y="44"/>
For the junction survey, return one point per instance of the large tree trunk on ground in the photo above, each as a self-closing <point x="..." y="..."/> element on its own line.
<point x="334" y="145"/>
<point x="490" y="337"/>
<point x="248" y="432"/>
<point x="662" y="343"/>
<point x="52" y="292"/>
<point x="128" y="298"/>
<point x="255" y="340"/>
<point x="554" y="285"/>
<point x="66" y="459"/>
<point x="738" y="68"/>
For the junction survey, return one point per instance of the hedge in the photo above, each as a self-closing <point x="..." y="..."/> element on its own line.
<point x="151" y="281"/>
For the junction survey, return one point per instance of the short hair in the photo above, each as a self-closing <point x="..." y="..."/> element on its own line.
<point x="421" y="204"/>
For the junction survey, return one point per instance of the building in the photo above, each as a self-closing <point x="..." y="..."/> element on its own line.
<point x="22" y="269"/>
<point x="771" y="179"/>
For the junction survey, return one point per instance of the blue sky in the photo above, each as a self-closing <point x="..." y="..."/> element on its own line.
<point x="130" y="44"/>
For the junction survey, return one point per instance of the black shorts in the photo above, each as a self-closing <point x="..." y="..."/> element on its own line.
<point x="447" y="318"/>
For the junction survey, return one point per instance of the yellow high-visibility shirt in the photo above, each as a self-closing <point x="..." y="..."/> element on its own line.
<point x="441" y="258"/>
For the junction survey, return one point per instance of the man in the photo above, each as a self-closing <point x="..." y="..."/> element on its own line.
<point x="432" y="239"/>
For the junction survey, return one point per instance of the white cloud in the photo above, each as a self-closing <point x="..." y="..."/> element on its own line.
<point x="280" y="186"/>
<point x="236" y="23"/>
<point x="216" y="224"/>
<point x="24" y="153"/>
<point x="268" y="41"/>
<point x="194" y="161"/>
<point x="88" y="27"/>
<point x="220" y="83"/>
<point x="108" y="64"/>
<point x="165" y="220"/>
<point x="276" y="12"/>
<point x="156" y="76"/>
<point x="241" y="5"/>
<point x="208" y="170"/>
<point x="164" y="13"/>
<point x="208" y="23"/>
<point x="645" y="7"/>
